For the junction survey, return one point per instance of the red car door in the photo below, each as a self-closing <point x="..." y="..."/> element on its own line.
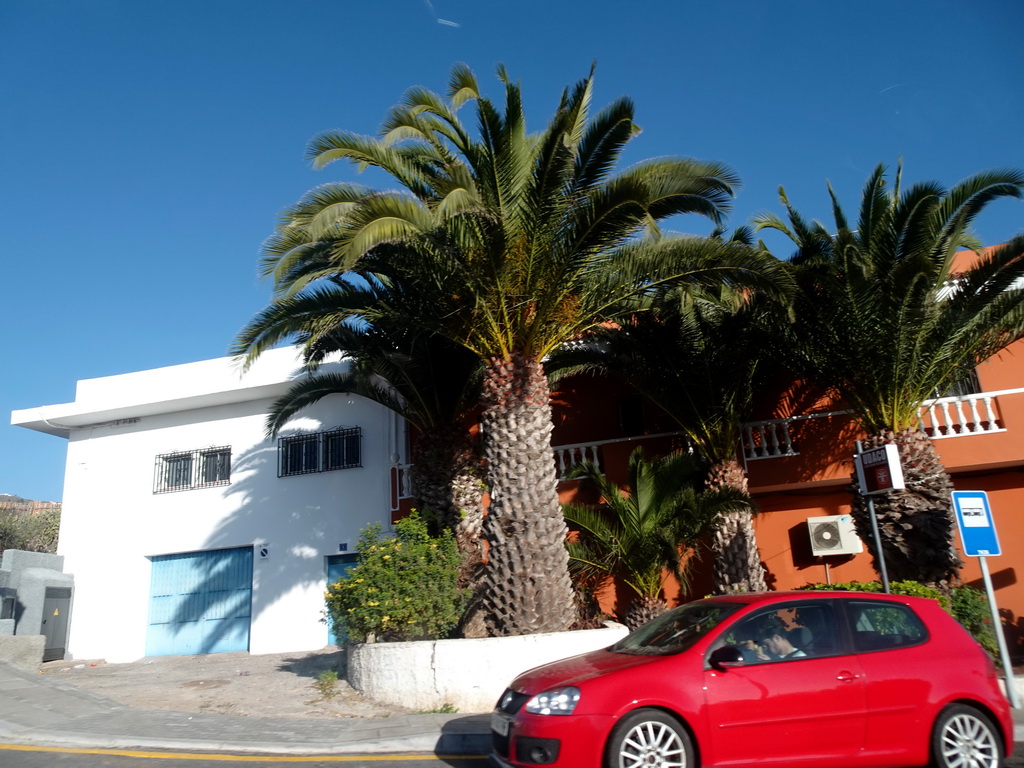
<point x="807" y="707"/>
<point x="900" y="674"/>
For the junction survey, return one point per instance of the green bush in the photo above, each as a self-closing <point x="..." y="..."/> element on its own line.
<point x="31" y="532"/>
<point x="909" y="588"/>
<point x="965" y="604"/>
<point x="403" y="588"/>
<point x="971" y="609"/>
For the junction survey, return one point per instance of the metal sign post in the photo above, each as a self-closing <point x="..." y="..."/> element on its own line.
<point x="979" y="538"/>
<point x="878" y="471"/>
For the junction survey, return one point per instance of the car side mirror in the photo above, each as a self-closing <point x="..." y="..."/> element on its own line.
<point x="726" y="657"/>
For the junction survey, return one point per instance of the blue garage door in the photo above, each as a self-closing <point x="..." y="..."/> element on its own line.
<point x="200" y="602"/>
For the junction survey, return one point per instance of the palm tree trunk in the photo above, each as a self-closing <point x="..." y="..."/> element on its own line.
<point x="916" y="524"/>
<point x="527" y="588"/>
<point x="447" y="474"/>
<point x="737" y="566"/>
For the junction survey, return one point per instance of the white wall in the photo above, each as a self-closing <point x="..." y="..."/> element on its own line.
<point x="467" y="674"/>
<point x="112" y="522"/>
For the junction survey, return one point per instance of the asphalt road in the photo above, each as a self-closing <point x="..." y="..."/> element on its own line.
<point x="42" y="757"/>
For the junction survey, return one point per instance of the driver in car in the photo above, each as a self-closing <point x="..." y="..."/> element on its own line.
<point x="776" y="645"/>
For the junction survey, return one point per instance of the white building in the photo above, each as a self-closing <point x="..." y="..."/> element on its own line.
<point x="187" y="530"/>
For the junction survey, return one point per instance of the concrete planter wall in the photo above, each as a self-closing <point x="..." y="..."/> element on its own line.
<point x="467" y="674"/>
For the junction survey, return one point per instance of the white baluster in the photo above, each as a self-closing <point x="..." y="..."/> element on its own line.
<point x="962" y="417"/>
<point x="788" y="438"/>
<point x="749" y="442"/>
<point x="975" y="417"/>
<point x="990" y="415"/>
<point x="951" y="424"/>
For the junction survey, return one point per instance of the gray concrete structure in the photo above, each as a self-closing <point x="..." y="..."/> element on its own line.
<point x="35" y="597"/>
<point x="23" y="651"/>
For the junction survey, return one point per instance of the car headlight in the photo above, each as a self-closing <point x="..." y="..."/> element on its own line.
<point x="557" y="701"/>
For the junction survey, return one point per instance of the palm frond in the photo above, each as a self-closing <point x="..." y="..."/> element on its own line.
<point x="877" y="320"/>
<point x="638" y="535"/>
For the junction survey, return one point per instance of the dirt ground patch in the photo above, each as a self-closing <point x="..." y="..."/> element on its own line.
<point x="239" y="683"/>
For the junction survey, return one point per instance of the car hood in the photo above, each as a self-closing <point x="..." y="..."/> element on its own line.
<point x="577" y="669"/>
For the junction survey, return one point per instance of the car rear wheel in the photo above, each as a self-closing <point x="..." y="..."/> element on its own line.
<point x="649" y="738"/>
<point x="965" y="738"/>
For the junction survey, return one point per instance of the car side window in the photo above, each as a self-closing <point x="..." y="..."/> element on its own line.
<point x="787" y="632"/>
<point x="879" y="626"/>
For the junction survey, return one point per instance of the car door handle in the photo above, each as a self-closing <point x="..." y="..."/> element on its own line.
<point x="846" y="677"/>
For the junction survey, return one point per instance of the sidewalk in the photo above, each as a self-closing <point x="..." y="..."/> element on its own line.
<point x="37" y="710"/>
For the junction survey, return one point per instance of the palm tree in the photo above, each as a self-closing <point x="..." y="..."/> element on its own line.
<point x="425" y="378"/>
<point x="697" y="358"/>
<point x="536" y="238"/>
<point x="644" y="536"/>
<point x="371" y="318"/>
<point x="886" y="317"/>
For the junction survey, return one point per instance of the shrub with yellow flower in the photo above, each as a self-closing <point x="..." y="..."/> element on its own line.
<point x="403" y="588"/>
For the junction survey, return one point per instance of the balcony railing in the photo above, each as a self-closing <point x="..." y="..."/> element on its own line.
<point x="765" y="439"/>
<point x="773" y="438"/>
<point x="401" y="484"/>
<point x="942" y="417"/>
<point x="569" y="456"/>
<point x="966" y="415"/>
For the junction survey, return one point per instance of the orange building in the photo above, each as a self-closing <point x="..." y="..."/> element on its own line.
<point x="799" y="462"/>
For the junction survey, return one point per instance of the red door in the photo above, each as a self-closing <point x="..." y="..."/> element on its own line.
<point x="800" y="697"/>
<point x="787" y="712"/>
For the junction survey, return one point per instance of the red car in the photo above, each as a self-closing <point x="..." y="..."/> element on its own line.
<point x="822" y="679"/>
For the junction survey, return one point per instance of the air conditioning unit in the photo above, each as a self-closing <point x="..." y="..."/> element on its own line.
<point x="834" y="535"/>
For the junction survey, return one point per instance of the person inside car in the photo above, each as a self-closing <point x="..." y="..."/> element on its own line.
<point x="776" y="645"/>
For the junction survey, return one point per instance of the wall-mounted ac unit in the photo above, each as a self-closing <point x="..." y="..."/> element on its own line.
<point x="833" y="535"/>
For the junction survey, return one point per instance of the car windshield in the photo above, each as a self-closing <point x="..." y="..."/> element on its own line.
<point x="675" y="630"/>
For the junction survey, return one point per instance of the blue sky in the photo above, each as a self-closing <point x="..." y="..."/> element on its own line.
<point x="146" y="148"/>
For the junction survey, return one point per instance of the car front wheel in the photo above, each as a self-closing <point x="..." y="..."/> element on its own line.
<point x="649" y="738"/>
<point x="965" y="738"/>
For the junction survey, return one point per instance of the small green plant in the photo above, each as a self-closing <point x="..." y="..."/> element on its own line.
<point x="404" y="588"/>
<point x="445" y="709"/>
<point x="327" y="684"/>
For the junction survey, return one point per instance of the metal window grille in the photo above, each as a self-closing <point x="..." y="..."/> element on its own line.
<point x="214" y="466"/>
<point x="174" y="472"/>
<point x="299" y="455"/>
<point x="969" y="385"/>
<point x="319" y="452"/>
<point x="185" y="470"/>
<point x="341" y="449"/>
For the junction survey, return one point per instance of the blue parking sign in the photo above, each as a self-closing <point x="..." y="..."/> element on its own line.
<point x="974" y="519"/>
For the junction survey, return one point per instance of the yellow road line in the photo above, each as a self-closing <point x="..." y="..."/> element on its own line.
<point x="376" y="758"/>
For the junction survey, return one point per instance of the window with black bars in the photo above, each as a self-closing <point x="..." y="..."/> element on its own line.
<point x="185" y="470"/>
<point x="968" y="385"/>
<point x="319" y="451"/>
